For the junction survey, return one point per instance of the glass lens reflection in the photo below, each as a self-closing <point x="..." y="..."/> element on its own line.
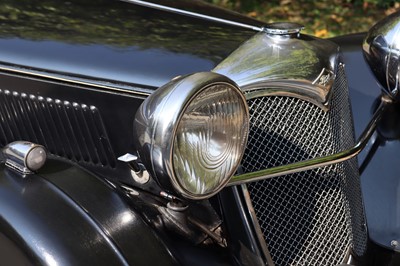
<point x="210" y="139"/>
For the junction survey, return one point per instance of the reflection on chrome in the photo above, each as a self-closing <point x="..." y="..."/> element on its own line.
<point x="192" y="132"/>
<point x="209" y="150"/>
<point x="382" y="52"/>
<point x="320" y="161"/>
<point x="283" y="62"/>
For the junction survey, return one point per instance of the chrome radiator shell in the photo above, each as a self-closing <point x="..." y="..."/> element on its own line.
<point x="314" y="217"/>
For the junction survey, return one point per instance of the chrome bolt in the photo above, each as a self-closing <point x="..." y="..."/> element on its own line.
<point x="394" y="243"/>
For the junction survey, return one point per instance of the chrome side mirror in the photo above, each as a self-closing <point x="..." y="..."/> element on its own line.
<point x="382" y="52"/>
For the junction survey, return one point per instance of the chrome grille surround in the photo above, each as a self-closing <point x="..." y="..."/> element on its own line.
<point x="312" y="217"/>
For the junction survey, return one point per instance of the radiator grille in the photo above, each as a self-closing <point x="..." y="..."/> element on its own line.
<point x="67" y="129"/>
<point x="312" y="217"/>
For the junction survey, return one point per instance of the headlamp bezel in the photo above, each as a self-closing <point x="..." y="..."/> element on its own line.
<point x="157" y="121"/>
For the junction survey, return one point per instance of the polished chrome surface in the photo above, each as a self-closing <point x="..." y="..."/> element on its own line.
<point x="311" y="217"/>
<point x="256" y="226"/>
<point x="382" y="52"/>
<point x="316" y="162"/>
<point x="138" y="171"/>
<point x="283" y="28"/>
<point x="24" y="157"/>
<point x="289" y="65"/>
<point x="193" y="14"/>
<point x="157" y="124"/>
<point x="127" y="158"/>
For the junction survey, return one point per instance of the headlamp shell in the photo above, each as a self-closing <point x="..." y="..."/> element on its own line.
<point x="381" y="49"/>
<point x="191" y="133"/>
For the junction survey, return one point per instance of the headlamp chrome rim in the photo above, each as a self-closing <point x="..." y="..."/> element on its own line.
<point x="175" y="181"/>
<point x="158" y="119"/>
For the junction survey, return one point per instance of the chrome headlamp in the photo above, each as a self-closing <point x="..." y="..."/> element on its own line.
<point x="382" y="52"/>
<point x="191" y="133"/>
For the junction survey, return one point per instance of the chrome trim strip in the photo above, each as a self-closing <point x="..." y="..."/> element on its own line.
<point x="75" y="81"/>
<point x="319" y="161"/>
<point x="193" y="14"/>
<point x="256" y="225"/>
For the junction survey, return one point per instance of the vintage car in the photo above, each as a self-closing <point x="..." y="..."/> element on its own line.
<point x="174" y="132"/>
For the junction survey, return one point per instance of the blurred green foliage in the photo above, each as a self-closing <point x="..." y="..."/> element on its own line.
<point x="378" y="3"/>
<point x="322" y="18"/>
<point x="249" y="5"/>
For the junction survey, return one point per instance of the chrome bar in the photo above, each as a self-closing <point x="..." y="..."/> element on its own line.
<point x="256" y="226"/>
<point x="320" y="161"/>
<point x="193" y="14"/>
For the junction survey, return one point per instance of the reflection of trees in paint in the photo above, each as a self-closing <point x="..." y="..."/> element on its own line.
<point x="257" y="59"/>
<point x="116" y="24"/>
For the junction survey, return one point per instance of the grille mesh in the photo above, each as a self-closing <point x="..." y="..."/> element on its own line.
<point x="312" y="217"/>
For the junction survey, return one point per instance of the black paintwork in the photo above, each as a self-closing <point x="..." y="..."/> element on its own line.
<point x="112" y="40"/>
<point x="116" y="109"/>
<point x="55" y="219"/>
<point x="70" y="216"/>
<point x="238" y="225"/>
<point x="67" y="214"/>
<point x="380" y="163"/>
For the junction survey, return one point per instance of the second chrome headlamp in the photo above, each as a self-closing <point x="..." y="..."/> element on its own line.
<point x="191" y="133"/>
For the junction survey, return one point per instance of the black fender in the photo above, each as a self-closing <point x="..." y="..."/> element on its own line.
<point x="64" y="215"/>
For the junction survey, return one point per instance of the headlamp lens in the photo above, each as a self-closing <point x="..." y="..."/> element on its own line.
<point x="210" y="139"/>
